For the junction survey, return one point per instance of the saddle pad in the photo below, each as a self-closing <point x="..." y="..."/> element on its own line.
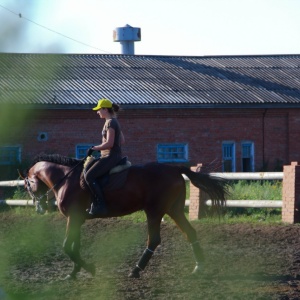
<point x="120" y="168"/>
<point x="116" y="180"/>
<point x="109" y="182"/>
<point x="90" y="160"/>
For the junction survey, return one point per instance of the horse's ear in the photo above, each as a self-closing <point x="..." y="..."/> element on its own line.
<point x="20" y="174"/>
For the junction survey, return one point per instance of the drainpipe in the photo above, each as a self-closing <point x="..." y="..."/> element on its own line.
<point x="263" y="136"/>
<point x="288" y="138"/>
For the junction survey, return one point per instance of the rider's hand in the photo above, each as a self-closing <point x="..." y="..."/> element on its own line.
<point x="89" y="151"/>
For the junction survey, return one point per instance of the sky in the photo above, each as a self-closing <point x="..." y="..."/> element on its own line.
<point x="168" y="27"/>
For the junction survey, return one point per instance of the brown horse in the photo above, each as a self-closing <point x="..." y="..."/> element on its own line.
<point x="158" y="189"/>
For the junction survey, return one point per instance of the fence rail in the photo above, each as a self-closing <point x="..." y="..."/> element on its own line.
<point x="250" y="175"/>
<point x="12" y="183"/>
<point x="228" y="176"/>
<point x="16" y="202"/>
<point x="251" y="203"/>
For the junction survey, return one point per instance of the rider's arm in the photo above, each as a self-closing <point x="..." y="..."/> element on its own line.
<point x="108" y="144"/>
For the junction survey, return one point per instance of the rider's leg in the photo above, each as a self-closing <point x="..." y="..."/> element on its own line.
<point x="101" y="167"/>
<point x="98" y="204"/>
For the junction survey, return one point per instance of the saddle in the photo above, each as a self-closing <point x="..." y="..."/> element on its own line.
<point x="112" y="180"/>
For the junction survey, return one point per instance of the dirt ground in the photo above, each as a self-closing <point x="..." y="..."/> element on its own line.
<point x="243" y="261"/>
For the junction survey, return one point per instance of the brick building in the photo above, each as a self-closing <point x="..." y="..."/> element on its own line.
<point x="242" y="112"/>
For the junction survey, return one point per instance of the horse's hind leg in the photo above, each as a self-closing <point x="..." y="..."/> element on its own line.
<point x="153" y="241"/>
<point x="191" y="235"/>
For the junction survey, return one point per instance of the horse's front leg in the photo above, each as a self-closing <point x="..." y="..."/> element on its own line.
<point x="71" y="247"/>
<point x="153" y="242"/>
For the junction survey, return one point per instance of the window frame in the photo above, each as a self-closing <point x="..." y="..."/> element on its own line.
<point x="17" y="160"/>
<point x="233" y="155"/>
<point x="84" y="148"/>
<point x="246" y="143"/>
<point x="169" y="146"/>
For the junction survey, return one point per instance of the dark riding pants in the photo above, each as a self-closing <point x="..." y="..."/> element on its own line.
<point x="102" y="166"/>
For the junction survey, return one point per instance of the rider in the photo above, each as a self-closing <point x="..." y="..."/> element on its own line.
<point x="111" y="154"/>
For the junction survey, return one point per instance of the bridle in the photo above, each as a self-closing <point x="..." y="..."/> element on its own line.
<point x="41" y="201"/>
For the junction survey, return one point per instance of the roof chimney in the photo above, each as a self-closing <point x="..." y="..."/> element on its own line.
<point x="127" y="36"/>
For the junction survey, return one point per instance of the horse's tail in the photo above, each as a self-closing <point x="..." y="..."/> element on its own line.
<point x="216" y="187"/>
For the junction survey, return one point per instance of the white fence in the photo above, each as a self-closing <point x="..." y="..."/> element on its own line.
<point x="15" y="202"/>
<point x="12" y="183"/>
<point x="228" y="176"/>
<point x="252" y="176"/>
<point x="249" y="176"/>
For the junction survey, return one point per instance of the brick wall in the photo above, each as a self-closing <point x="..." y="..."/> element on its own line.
<point x="195" y="203"/>
<point x="291" y="194"/>
<point x="275" y="133"/>
<point x="293" y="139"/>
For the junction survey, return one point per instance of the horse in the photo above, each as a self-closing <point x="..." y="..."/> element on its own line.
<point x="155" y="188"/>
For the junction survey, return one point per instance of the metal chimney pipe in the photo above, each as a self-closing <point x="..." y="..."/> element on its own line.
<point x="127" y="36"/>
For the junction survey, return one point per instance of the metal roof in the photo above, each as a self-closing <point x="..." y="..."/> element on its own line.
<point x="79" y="80"/>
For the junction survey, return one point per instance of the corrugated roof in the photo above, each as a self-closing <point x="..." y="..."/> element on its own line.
<point x="80" y="79"/>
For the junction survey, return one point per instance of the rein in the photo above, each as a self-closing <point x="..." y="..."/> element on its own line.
<point x="38" y="200"/>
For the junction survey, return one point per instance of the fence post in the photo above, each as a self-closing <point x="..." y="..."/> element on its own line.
<point x="291" y="193"/>
<point x="197" y="200"/>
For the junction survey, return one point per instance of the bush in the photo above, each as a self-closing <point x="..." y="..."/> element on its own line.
<point x="21" y="193"/>
<point x="255" y="190"/>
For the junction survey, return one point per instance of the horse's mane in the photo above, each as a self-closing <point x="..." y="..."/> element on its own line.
<point x="57" y="159"/>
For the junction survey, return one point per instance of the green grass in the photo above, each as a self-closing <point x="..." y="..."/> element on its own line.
<point x="252" y="190"/>
<point x="255" y="190"/>
<point x="20" y="193"/>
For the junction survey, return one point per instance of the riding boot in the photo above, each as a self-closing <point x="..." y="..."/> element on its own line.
<point x="98" y="206"/>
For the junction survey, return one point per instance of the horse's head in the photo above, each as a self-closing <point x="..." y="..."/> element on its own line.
<point x="36" y="189"/>
<point x="47" y="176"/>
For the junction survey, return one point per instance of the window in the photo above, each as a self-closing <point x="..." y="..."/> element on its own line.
<point x="82" y="149"/>
<point x="228" y="155"/>
<point x="172" y="153"/>
<point x="247" y="157"/>
<point x="10" y="155"/>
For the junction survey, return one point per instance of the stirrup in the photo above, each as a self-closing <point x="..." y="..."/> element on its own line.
<point x="98" y="209"/>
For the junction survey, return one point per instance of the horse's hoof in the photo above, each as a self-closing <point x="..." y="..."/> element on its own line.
<point x="69" y="277"/>
<point x="134" y="275"/>
<point x="198" y="270"/>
